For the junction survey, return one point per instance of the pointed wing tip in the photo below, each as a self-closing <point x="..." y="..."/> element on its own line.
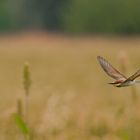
<point x="99" y="57"/>
<point x="109" y="69"/>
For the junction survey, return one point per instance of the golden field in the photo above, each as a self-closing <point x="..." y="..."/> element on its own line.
<point x="69" y="98"/>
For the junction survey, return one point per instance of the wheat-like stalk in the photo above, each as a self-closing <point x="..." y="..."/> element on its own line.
<point x="19" y="107"/>
<point x="124" y="68"/>
<point x="27" y="85"/>
<point x="26" y="78"/>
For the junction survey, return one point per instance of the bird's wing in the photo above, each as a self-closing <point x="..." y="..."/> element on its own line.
<point x="110" y="70"/>
<point x="134" y="76"/>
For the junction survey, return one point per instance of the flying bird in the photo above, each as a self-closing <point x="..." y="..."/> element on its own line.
<point x="120" y="79"/>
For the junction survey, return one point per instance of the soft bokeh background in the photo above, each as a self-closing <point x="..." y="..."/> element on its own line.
<point x="73" y="16"/>
<point x="69" y="97"/>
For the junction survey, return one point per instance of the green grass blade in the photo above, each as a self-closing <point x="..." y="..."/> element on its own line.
<point x="21" y="124"/>
<point x="124" y="134"/>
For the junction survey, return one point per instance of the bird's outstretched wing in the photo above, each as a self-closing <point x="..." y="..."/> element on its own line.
<point x="110" y="70"/>
<point x="134" y="76"/>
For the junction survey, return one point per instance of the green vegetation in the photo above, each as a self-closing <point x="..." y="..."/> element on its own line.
<point x="73" y="16"/>
<point x="21" y="124"/>
<point x="21" y="118"/>
<point x="99" y="16"/>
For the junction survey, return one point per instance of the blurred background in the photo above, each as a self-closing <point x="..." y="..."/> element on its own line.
<point x="63" y="93"/>
<point x="71" y="16"/>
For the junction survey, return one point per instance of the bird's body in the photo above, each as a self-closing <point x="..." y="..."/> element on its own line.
<point x="127" y="83"/>
<point x="121" y="80"/>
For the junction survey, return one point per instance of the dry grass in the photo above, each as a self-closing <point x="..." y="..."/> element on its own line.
<point x="69" y="98"/>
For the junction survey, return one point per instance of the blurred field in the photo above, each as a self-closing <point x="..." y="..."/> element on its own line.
<point x="70" y="98"/>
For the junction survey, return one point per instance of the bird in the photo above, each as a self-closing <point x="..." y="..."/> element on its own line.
<point x="120" y="79"/>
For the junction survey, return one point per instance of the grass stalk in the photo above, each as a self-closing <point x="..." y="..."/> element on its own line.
<point x="134" y="97"/>
<point x="27" y="85"/>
